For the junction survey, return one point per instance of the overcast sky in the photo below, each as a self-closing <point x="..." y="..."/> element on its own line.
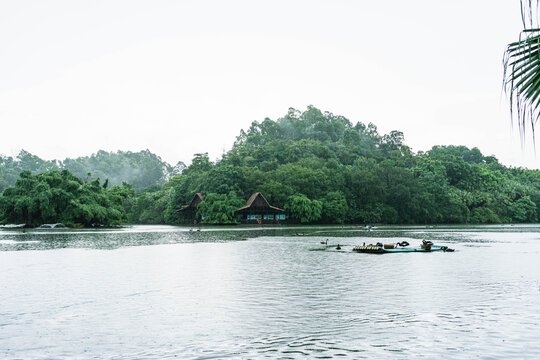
<point x="182" y="77"/>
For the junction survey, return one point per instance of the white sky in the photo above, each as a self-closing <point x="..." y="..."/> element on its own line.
<point x="181" y="77"/>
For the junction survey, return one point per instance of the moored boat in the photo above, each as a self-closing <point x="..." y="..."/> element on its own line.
<point x="427" y="246"/>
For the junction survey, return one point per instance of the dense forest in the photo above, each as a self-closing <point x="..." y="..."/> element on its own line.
<point x="319" y="167"/>
<point x="59" y="196"/>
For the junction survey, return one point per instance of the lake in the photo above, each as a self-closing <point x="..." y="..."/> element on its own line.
<point x="155" y="292"/>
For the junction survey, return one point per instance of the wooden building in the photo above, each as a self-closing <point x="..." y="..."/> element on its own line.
<point x="258" y="211"/>
<point x="188" y="213"/>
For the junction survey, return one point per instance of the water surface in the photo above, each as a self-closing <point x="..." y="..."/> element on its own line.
<point x="155" y="292"/>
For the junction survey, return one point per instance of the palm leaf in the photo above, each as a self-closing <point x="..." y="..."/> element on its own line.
<point x="522" y="71"/>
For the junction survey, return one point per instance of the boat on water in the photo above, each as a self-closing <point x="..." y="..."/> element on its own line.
<point x="379" y="248"/>
<point x="13" y="226"/>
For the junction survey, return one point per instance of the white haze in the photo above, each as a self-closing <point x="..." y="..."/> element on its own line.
<point x="183" y="77"/>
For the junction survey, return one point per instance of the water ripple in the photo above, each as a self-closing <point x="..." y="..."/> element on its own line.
<point x="267" y="293"/>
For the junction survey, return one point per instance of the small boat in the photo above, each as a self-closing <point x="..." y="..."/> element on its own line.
<point x="52" y="226"/>
<point x="372" y="249"/>
<point x="379" y="248"/>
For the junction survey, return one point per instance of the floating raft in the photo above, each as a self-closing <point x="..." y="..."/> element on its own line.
<point x="374" y="249"/>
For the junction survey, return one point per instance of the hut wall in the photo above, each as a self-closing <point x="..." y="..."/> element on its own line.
<point x="266" y="216"/>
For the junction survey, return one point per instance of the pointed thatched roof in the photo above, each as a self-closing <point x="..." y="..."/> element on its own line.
<point x="258" y="201"/>
<point x="197" y="199"/>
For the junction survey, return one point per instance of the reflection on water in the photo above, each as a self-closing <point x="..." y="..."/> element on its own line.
<point x="269" y="293"/>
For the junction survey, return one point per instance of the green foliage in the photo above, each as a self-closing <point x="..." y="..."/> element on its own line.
<point x="200" y="163"/>
<point x="483" y="215"/>
<point x="222" y="180"/>
<point x="359" y="176"/>
<point x="219" y="208"/>
<point x="301" y="208"/>
<point x="11" y="168"/>
<point x="345" y="173"/>
<point x="275" y="192"/>
<point x="523" y="210"/>
<point x="59" y="196"/>
<point x="335" y="208"/>
<point x="150" y="208"/>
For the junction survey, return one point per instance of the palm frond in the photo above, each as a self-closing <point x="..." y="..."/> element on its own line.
<point x="521" y="80"/>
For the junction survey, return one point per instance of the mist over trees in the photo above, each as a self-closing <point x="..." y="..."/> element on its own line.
<point x="321" y="168"/>
<point x="141" y="169"/>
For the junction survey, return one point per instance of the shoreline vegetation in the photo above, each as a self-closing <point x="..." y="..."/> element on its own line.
<point x="319" y="167"/>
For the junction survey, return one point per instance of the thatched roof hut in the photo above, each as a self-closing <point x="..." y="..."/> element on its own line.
<point x="188" y="213"/>
<point x="192" y="206"/>
<point x="258" y="209"/>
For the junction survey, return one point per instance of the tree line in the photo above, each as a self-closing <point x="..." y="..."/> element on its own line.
<point x="59" y="196"/>
<point x="141" y="169"/>
<point x="322" y="168"/>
